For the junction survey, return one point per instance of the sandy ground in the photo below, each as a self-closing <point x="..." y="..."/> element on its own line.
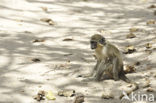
<point x="62" y="61"/>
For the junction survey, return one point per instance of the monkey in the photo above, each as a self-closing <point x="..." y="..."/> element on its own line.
<point x="109" y="63"/>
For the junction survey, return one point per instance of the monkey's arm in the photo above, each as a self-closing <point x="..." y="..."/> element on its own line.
<point x="116" y="68"/>
<point x="100" y="70"/>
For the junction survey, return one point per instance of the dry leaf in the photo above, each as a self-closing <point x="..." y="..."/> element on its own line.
<point x="150" y="89"/>
<point x="131" y="35"/>
<point x="36" y="60"/>
<point x="150" y="22"/>
<point x="68" y="39"/>
<point x="67" y="93"/>
<point x="51" y="22"/>
<point x="133" y="29"/>
<point x="147" y="83"/>
<point x="45" y="19"/>
<point x="38" y="40"/>
<point x="50" y="95"/>
<point x="40" y="96"/>
<point x="148" y="51"/>
<point x="137" y="63"/>
<point x="129" y="49"/>
<point x="107" y="95"/>
<point x="148" y="45"/>
<point x="152" y="6"/>
<point x="129" y="69"/>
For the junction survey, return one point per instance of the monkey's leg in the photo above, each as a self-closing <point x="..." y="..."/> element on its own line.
<point x="100" y="70"/>
<point x="115" y="69"/>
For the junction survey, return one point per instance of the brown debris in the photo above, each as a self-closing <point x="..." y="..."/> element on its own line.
<point x="131" y="35"/>
<point x="133" y="29"/>
<point x="40" y="96"/>
<point x="48" y="20"/>
<point x="146" y="84"/>
<point x="67" y="93"/>
<point x="152" y="6"/>
<point x="148" y="51"/>
<point x="68" y="39"/>
<point x="38" y="40"/>
<point x="148" y="45"/>
<point x="36" y="60"/>
<point x="107" y="95"/>
<point x="150" y="22"/>
<point x="150" y="89"/>
<point x="79" y="98"/>
<point x="129" y="69"/>
<point x="129" y="49"/>
<point x="137" y="63"/>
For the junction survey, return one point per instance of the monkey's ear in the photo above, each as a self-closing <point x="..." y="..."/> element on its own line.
<point x="102" y="40"/>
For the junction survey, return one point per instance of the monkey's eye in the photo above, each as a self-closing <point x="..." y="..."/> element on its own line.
<point x="102" y="41"/>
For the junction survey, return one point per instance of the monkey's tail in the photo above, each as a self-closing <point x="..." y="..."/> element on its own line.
<point x="123" y="77"/>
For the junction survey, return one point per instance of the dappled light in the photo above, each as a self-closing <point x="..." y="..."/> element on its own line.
<point x="45" y="45"/>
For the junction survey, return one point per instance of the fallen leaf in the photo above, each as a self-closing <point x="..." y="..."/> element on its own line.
<point x="129" y="49"/>
<point x="129" y="69"/>
<point x="40" y="96"/>
<point x="148" y="51"/>
<point x="36" y="60"/>
<point x="38" y="40"/>
<point x="133" y="29"/>
<point x="137" y="63"/>
<point x="131" y="35"/>
<point x="51" y="22"/>
<point x="68" y="39"/>
<point x="67" y="93"/>
<point x="148" y="45"/>
<point x="50" y="95"/>
<point x="146" y="83"/>
<point x="152" y="6"/>
<point x="45" y="19"/>
<point x="150" y="89"/>
<point x="107" y="95"/>
<point x="150" y="22"/>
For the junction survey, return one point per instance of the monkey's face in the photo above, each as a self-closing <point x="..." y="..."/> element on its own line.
<point x="96" y="40"/>
<point x="93" y="44"/>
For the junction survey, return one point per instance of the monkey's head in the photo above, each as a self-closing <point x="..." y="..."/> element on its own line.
<point x="96" y="40"/>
